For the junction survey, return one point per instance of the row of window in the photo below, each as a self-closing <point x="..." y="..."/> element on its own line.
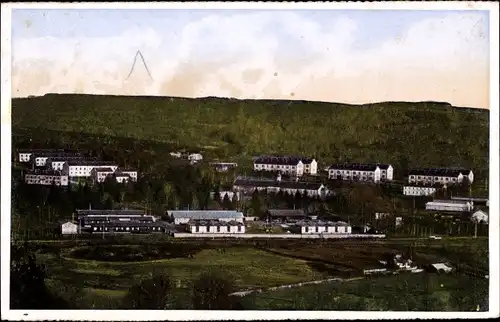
<point x="274" y="166"/>
<point x="197" y="228"/>
<point x="316" y="229"/>
<point x="125" y="229"/>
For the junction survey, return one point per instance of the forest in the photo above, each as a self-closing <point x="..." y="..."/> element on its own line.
<point x="404" y="134"/>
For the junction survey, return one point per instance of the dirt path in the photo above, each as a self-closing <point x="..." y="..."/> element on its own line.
<point x="275" y="288"/>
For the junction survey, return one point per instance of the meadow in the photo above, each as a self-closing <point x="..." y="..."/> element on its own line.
<point x="99" y="276"/>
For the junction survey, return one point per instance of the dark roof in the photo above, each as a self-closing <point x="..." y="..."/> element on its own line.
<point x="282" y="160"/>
<point x="48" y="172"/>
<point x="131" y="224"/>
<point x="68" y="158"/>
<point x="117" y="219"/>
<point x="287" y="212"/>
<point x="121" y="174"/>
<point x="260" y="182"/>
<point x="102" y="169"/>
<point x="90" y="162"/>
<point x="214" y="223"/>
<point x="114" y="212"/>
<point x="126" y="170"/>
<point x="439" y="172"/>
<point x="360" y="166"/>
<point x="39" y="150"/>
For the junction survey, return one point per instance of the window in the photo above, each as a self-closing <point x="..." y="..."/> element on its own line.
<point x="218" y="229"/>
<point x="307" y="229"/>
<point x="317" y="228"/>
<point x="239" y="228"/>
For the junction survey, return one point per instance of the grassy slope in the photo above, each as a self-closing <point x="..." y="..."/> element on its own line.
<point x="429" y="134"/>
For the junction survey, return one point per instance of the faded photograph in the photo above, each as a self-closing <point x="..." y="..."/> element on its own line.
<point x="224" y="159"/>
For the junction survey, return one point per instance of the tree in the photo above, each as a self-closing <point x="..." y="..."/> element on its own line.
<point x="152" y="293"/>
<point x="226" y="202"/>
<point x="211" y="291"/>
<point x="27" y="283"/>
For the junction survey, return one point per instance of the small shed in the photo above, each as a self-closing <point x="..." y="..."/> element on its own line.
<point x="69" y="228"/>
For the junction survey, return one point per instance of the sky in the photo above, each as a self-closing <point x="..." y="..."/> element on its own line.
<point x="351" y="56"/>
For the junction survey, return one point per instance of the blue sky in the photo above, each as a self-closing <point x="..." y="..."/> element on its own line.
<point x="317" y="45"/>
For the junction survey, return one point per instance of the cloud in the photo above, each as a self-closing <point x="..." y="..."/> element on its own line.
<point x="267" y="55"/>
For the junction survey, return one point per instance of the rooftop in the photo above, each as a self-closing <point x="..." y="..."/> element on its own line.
<point x="359" y="166"/>
<point x="109" y="212"/>
<point x="262" y="182"/>
<point x="204" y="214"/>
<point x="287" y="212"/>
<point x="214" y="223"/>
<point x="103" y="169"/>
<point x="282" y="160"/>
<point x="456" y="202"/>
<point x="439" y="172"/>
<point x="90" y="162"/>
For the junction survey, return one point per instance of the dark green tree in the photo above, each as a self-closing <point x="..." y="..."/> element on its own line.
<point x="152" y="293"/>
<point x="211" y="291"/>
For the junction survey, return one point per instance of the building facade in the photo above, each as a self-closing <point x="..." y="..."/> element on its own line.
<point x="83" y="168"/>
<point x="294" y="166"/>
<point x="184" y="216"/>
<point x="318" y="227"/>
<point x="417" y="191"/>
<point x="215" y="227"/>
<point x="311" y="189"/>
<point x="46" y="177"/>
<point x="450" y="205"/>
<point x="442" y="176"/>
<point x="69" y="228"/>
<point x="361" y="172"/>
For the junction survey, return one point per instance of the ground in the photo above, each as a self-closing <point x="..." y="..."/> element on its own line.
<point x="103" y="283"/>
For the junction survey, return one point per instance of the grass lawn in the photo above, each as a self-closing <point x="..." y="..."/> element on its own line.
<point x="110" y="280"/>
<point x="413" y="292"/>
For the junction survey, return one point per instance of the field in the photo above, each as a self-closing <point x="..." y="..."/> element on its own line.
<point x="405" y="292"/>
<point x="99" y="276"/>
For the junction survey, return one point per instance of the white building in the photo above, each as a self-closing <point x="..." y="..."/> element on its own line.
<point x="318" y="227"/>
<point x="69" y="228"/>
<point x="40" y="158"/>
<point x="361" y="172"/>
<point x="122" y="177"/>
<point x="83" y="168"/>
<point x="184" y="216"/>
<point x="450" y="205"/>
<point x="195" y="157"/>
<point x="310" y="189"/>
<point x="24" y="155"/>
<point x="176" y="154"/>
<point x="99" y="175"/>
<point x="57" y="163"/>
<point x="480" y="216"/>
<point x="46" y="177"/>
<point x="295" y="166"/>
<point x="224" y="166"/>
<point x="130" y="172"/>
<point x="215" y="227"/>
<point x="417" y="191"/>
<point x="443" y="176"/>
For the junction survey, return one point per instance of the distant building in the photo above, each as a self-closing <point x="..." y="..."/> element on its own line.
<point x="130" y="227"/>
<point x="320" y="227"/>
<point x="184" y="216"/>
<point x="24" y="155"/>
<point x="40" y="158"/>
<point x="310" y="189"/>
<point x="215" y="227"/>
<point x="99" y="175"/>
<point x="224" y="166"/>
<point x="69" y="228"/>
<point x="83" y="168"/>
<point x="46" y="177"/>
<point x="375" y="172"/>
<point x="295" y="166"/>
<point x="287" y="214"/>
<point x="91" y="218"/>
<point x="57" y="163"/>
<point x="480" y="216"/>
<point x="476" y="201"/>
<point x="450" y="205"/>
<point x="121" y="177"/>
<point x="442" y="176"/>
<point x="418" y="191"/>
<point x="132" y="174"/>
<point x="176" y="154"/>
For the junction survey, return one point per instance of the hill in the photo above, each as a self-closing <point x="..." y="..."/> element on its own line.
<point x="402" y="133"/>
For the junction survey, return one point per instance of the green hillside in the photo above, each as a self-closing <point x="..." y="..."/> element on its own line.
<point x="404" y="134"/>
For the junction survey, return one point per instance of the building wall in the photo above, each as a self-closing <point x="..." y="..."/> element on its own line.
<point x="41" y="161"/>
<point x="69" y="228"/>
<point x="418" y="191"/>
<point x="85" y="170"/>
<point x="58" y="165"/>
<point x="449" y="207"/>
<point x="325" y="230"/>
<point x="355" y="175"/>
<point x="203" y="229"/>
<point x="296" y="170"/>
<point x="24" y="157"/>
